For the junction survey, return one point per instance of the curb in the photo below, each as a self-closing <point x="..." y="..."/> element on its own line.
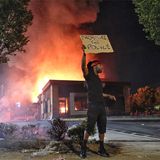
<point x="133" y="118"/>
<point x="110" y="141"/>
<point x="117" y="119"/>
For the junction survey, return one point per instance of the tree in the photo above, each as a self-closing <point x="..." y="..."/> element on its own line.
<point x="143" y="99"/>
<point x="157" y="96"/>
<point x="149" y="16"/>
<point x="14" y="21"/>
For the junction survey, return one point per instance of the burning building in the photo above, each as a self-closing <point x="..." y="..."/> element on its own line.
<point x="54" y="52"/>
<point x="62" y="98"/>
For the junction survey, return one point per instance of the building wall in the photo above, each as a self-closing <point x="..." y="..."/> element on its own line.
<point x="126" y="92"/>
<point x="46" y="108"/>
<point x="55" y="105"/>
<point x="56" y="93"/>
<point x="119" y="90"/>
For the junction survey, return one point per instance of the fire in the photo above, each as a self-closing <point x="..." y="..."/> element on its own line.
<point x="63" y="105"/>
<point x="54" y="48"/>
<point x="43" y="79"/>
<point x="38" y="89"/>
<point x="54" y="51"/>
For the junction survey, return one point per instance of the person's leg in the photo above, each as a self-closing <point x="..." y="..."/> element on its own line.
<point x="101" y="129"/>
<point x="91" y="120"/>
<point x="86" y="135"/>
<point x="101" y="123"/>
<point x="102" y="151"/>
<point x="101" y="136"/>
<point x="85" y="139"/>
<point x="101" y="141"/>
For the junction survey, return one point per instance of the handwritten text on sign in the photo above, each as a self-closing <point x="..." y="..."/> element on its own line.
<point x="96" y="44"/>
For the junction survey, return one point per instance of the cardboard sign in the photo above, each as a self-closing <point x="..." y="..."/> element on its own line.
<point x="96" y="44"/>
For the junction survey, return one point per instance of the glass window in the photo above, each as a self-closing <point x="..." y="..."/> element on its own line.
<point x="80" y="102"/>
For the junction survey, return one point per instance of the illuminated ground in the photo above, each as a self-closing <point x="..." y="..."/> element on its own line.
<point x="126" y="145"/>
<point x="126" y="150"/>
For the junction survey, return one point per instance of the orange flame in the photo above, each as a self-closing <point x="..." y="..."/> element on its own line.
<point x="43" y="79"/>
<point x="54" y="51"/>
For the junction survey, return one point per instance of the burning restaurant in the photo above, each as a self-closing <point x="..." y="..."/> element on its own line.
<point x="62" y="98"/>
<point x="54" y="52"/>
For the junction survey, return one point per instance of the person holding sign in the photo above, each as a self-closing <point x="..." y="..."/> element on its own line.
<point x="96" y="106"/>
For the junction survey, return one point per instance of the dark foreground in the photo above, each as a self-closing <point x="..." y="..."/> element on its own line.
<point x="118" y="151"/>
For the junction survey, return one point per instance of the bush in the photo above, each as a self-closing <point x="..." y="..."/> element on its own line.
<point x="58" y="129"/>
<point x="77" y="132"/>
<point x="6" y="130"/>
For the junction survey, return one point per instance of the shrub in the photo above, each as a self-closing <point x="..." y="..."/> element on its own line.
<point x="58" y="129"/>
<point x="77" y="132"/>
<point x="7" y="129"/>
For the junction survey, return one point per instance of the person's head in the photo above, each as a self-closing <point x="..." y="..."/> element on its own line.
<point x="96" y="65"/>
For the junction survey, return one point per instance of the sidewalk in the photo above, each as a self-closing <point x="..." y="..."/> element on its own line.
<point x="120" y="118"/>
<point x="115" y="136"/>
<point x="134" y="118"/>
<point x="133" y="146"/>
<point x="130" y="147"/>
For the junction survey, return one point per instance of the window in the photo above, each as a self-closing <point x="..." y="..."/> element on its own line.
<point x="80" y="102"/>
<point x="63" y="105"/>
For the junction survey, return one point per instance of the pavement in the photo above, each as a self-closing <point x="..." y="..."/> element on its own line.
<point x="112" y="135"/>
<point x="115" y="136"/>
<point x="132" y="145"/>
<point x="134" y="118"/>
<point x="121" y="118"/>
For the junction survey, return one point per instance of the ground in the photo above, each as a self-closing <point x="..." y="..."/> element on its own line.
<point x="139" y="141"/>
<point x="117" y="150"/>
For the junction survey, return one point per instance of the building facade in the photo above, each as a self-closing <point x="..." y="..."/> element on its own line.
<point x="61" y="98"/>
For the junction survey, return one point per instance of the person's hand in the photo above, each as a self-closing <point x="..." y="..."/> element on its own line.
<point x="113" y="98"/>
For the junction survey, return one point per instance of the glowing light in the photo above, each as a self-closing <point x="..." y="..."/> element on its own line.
<point x="62" y="110"/>
<point x="18" y="104"/>
<point x="63" y="105"/>
<point x="57" y="75"/>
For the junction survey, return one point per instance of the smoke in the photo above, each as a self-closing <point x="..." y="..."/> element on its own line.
<point x="54" y="50"/>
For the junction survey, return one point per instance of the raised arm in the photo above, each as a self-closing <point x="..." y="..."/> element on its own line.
<point x="83" y="63"/>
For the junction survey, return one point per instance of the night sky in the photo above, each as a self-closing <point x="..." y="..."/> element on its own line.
<point x="135" y="59"/>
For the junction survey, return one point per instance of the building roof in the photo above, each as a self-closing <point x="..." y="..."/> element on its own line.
<point x="69" y="82"/>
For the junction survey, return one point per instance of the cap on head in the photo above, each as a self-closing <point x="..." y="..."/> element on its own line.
<point x="93" y="63"/>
